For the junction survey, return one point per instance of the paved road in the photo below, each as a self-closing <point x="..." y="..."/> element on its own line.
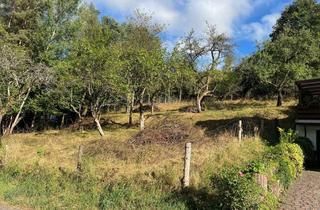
<point x="304" y="194"/>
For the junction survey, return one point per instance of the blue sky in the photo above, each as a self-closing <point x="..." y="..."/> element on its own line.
<point x="247" y="22"/>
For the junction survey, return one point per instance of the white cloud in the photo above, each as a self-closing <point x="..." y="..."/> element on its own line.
<point x="258" y="31"/>
<point x="182" y="15"/>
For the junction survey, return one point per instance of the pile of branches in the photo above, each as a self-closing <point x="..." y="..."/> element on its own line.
<point x="147" y="108"/>
<point x="167" y="131"/>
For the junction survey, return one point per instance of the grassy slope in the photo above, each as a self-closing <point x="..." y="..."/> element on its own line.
<point x="146" y="173"/>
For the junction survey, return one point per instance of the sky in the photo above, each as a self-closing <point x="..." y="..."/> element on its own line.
<point x="247" y="22"/>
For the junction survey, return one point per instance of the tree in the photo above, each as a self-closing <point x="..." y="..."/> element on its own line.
<point x="40" y="30"/>
<point x="19" y="75"/>
<point x="143" y="57"/>
<point x="94" y="65"/>
<point x="182" y="75"/>
<point x="217" y="46"/>
<point x="293" y="51"/>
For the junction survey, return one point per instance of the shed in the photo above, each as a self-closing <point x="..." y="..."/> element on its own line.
<point x="308" y="112"/>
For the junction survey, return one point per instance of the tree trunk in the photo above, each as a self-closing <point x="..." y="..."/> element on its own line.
<point x="18" y="118"/>
<point x="96" y="120"/>
<point x="141" y="117"/>
<point x="62" y="121"/>
<point x="130" y="115"/>
<point x="199" y="99"/>
<point x="180" y="94"/>
<point x="141" y="111"/>
<point x="33" y="121"/>
<point x="149" y="99"/>
<point x="152" y="106"/>
<point x="127" y="108"/>
<point x="280" y="98"/>
<point x="131" y="104"/>
<point x="1" y="117"/>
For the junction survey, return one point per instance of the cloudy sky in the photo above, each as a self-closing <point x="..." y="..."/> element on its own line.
<point x="246" y="21"/>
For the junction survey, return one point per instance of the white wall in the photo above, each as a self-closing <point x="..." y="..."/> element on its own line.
<point x="311" y="133"/>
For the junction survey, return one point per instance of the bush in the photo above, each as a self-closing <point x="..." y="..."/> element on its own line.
<point x="236" y="187"/>
<point x="236" y="190"/>
<point x="290" y="136"/>
<point x="292" y="152"/>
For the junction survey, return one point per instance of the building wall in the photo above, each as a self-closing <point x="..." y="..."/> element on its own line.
<point x="311" y="131"/>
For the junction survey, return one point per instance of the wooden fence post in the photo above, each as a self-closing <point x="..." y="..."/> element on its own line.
<point x="187" y="161"/>
<point x="79" y="161"/>
<point x="256" y="132"/>
<point x="240" y="131"/>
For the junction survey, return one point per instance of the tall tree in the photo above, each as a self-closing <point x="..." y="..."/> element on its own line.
<point x="94" y="64"/>
<point x="217" y="46"/>
<point x="293" y="51"/>
<point x="143" y="56"/>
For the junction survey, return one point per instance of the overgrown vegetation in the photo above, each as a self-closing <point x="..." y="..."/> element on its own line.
<point x="159" y="188"/>
<point x="41" y="168"/>
<point x="237" y="187"/>
<point x="64" y="70"/>
<point x="61" y="62"/>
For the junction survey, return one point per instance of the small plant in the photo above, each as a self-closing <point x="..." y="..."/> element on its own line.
<point x="41" y="152"/>
<point x="288" y="136"/>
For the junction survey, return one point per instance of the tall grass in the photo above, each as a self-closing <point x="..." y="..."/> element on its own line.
<point x="41" y="166"/>
<point x="38" y="187"/>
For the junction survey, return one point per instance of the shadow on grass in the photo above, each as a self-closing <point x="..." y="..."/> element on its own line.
<point x="195" y="199"/>
<point x="235" y="106"/>
<point x="267" y="128"/>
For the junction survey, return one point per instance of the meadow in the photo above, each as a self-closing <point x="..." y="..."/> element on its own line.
<point x="119" y="172"/>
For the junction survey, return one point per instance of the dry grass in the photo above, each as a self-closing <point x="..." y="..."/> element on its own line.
<point x="112" y="157"/>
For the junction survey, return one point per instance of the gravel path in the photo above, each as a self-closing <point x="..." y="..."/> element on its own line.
<point x="5" y="207"/>
<point x="304" y="194"/>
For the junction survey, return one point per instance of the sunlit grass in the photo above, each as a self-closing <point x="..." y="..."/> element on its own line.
<point x="112" y="159"/>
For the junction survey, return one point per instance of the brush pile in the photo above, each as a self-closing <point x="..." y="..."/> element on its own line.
<point x="167" y="131"/>
<point x="147" y="108"/>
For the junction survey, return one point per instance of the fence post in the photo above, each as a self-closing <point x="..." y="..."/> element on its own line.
<point x="240" y="131"/>
<point x="79" y="161"/>
<point x="186" y="170"/>
<point x="256" y="132"/>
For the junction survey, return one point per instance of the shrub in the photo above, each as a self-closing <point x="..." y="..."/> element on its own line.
<point x="236" y="187"/>
<point x="292" y="152"/>
<point x="236" y="190"/>
<point x="290" y="136"/>
<point x="287" y="136"/>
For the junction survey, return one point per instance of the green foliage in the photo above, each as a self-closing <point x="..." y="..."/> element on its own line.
<point x="237" y="188"/>
<point x="291" y="54"/>
<point x="290" y="136"/>
<point x="287" y="136"/>
<point x="45" y="189"/>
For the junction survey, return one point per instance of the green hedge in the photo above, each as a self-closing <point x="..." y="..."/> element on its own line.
<point x="236" y="187"/>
